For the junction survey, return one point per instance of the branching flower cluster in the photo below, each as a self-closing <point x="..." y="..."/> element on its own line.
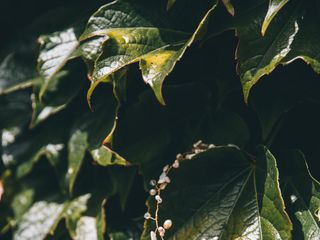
<point x="161" y="184"/>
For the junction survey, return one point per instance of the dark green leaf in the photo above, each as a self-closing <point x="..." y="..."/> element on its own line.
<point x="77" y="147"/>
<point x="186" y="118"/>
<point x="257" y="55"/>
<point x="302" y="194"/>
<point x="305" y="45"/>
<point x="170" y="4"/>
<point x="221" y="194"/>
<point x="290" y="31"/>
<point x="122" y="180"/>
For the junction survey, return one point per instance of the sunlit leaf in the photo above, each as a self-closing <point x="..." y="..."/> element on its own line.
<point x="42" y="218"/>
<point x="274" y="7"/>
<point x="135" y="37"/>
<point x="56" y="49"/>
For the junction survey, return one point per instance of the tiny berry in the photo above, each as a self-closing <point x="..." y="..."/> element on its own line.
<point x="152" y="192"/>
<point x="161" y="231"/>
<point x="163" y="186"/>
<point x="147" y="215"/>
<point x="167" y="224"/>
<point x="176" y="164"/>
<point x="198" y="151"/>
<point x="197" y="144"/>
<point x="179" y="156"/>
<point x="153" y="235"/>
<point x="165" y="168"/>
<point x="190" y="156"/>
<point x="158" y="198"/>
<point x="167" y="179"/>
<point x="162" y="178"/>
<point x="153" y="182"/>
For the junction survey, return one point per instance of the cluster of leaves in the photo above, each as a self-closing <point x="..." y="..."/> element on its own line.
<point x="83" y="130"/>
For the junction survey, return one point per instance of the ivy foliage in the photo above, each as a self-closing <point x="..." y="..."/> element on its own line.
<point x="96" y="98"/>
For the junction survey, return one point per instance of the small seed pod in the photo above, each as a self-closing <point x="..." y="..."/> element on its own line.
<point x="165" y="168"/>
<point x="147" y="215"/>
<point x="158" y="198"/>
<point x="167" y="179"/>
<point x="152" y="192"/>
<point x="163" y="186"/>
<point x="153" y="235"/>
<point x="153" y="182"/>
<point x="179" y="156"/>
<point x="190" y="156"/>
<point x="198" y="150"/>
<point x="197" y="144"/>
<point x="176" y="164"/>
<point x="162" y="178"/>
<point x="162" y="231"/>
<point x="167" y="224"/>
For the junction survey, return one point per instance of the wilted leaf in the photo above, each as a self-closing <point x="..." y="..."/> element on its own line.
<point x="221" y="194"/>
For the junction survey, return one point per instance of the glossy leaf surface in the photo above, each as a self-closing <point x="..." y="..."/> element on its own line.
<point x="243" y="202"/>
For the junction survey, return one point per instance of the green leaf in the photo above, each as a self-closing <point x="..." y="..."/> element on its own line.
<point x="77" y="147"/>
<point x="43" y="217"/>
<point x="56" y="49"/>
<point x="223" y="194"/>
<point x="170" y="4"/>
<point x="39" y="221"/>
<point x="305" y="45"/>
<point x="17" y="66"/>
<point x="42" y="110"/>
<point x="11" y="104"/>
<point x="274" y="7"/>
<point x="88" y="222"/>
<point x="75" y="211"/>
<point x="51" y="151"/>
<point x="291" y="35"/>
<point x="229" y="6"/>
<point x="135" y="37"/>
<point x="257" y="55"/>
<point x="122" y="180"/>
<point x="187" y="117"/>
<point x="16" y="74"/>
<point x="104" y="157"/>
<point x="302" y="193"/>
<point x="90" y="50"/>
